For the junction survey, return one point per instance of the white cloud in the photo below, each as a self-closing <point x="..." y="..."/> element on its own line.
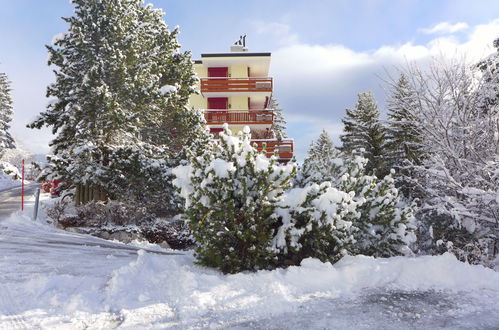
<point x="274" y="33"/>
<point x="315" y="83"/>
<point x="445" y="28"/>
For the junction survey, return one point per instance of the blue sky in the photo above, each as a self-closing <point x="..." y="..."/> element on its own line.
<point x="324" y="52"/>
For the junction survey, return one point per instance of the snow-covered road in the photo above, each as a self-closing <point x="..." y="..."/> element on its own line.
<point x="54" y="279"/>
<point x="10" y="198"/>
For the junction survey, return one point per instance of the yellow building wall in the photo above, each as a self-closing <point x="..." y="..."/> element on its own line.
<point x="200" y="71"/>
<point x="198" y="101"/>
<point x="238" y="71"/>
<point x="238" y="103"/>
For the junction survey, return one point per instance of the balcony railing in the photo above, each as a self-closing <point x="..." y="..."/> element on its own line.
<point x="282" y="149"/>
<point x="238" y="117"/>
<point x="224" y="85"/>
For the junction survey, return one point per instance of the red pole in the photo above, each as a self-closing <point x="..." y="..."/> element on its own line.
<point x="22" y="189"/>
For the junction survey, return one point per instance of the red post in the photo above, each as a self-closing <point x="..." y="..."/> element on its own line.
<point x="22" y="188"/>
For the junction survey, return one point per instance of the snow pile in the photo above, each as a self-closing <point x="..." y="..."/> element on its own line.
<point x="8" y="175"/>
<point x="194" y="292"/>
<point x="73" y="282"/>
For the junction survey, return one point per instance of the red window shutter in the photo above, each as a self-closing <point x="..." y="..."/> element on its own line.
<point x="218" y="103"/>
<point x="218" y="72"/>
<point x="215" y="131"/>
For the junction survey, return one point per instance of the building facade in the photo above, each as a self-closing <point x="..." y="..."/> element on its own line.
<point x="235" y="88"/>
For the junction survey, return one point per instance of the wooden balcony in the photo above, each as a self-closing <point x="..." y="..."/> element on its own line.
<point x="231" y="85"/>
<point x="239" y="117"/>
<point x="282" y="149"/>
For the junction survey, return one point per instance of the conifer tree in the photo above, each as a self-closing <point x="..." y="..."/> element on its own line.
<point x="119" y="102"/>
<point x="375" y="221"/>
<point x="6" y="112"/>
<point x="363" y="131"/>
<point x="279" y="125"/>
<point x="386" y="225"/>
<point x="231" y="192"/>
<point x="321" y="162"/>
<point x="404" y="146"/>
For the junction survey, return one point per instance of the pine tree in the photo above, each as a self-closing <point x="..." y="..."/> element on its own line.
<point x="363" y="131"/>
<point x="404" y="148"/>
<point x="119" y="108"/>
<point x="6" y="112"/>
<point x="231" y="193"/>
<point x="279" y="125"/>
<point x="321" y="163"/>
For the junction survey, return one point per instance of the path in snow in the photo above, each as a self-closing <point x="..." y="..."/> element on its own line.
<point x="10" y="199"/>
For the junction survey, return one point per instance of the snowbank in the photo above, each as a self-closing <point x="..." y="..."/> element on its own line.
<point x="73" y="282"/>
<point x="192" y="291"/>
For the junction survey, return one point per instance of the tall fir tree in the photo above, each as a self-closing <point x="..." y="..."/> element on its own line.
<point x="119" y="103"/>
<point x="404" y="146"/>
<point x="279" y="125"/>
<point x="6" y="112"/>
<point x="321" y="162"/>
<point x="364" y="131"/>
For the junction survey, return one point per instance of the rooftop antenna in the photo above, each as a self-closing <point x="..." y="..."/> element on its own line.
<point x="239" y="45"/>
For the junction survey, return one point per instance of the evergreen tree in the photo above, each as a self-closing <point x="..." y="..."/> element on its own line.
<point x="363" y="131"/>
<point x="386" y="225"/>
<point x="6" y="112"/>
<point x="404" y="148"/>
<point x="279" y="125"/>
<point x="119" y="107"/>
<point x="231" y="193"/>
<point x="321" y="162"/>
<point x="378" y="223"/>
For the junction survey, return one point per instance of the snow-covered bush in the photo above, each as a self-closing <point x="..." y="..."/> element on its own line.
<point x="382" y="225"/>
<point x="386" y="226"/>
<point x="231" y="194"/>
<point x="316" y="222"/>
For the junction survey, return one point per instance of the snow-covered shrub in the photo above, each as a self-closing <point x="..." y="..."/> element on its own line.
<point x="382" y="225"/>
<point x="98" y="214"/>
<point x="231" y="193"/>
<point x="9" y="171"/>
<point x="386" y="224"/>
<point x="175" y="232"/>
<point x="316" y="222"/>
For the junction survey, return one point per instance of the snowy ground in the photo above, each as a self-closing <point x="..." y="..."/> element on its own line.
<point x="53" y="279"/>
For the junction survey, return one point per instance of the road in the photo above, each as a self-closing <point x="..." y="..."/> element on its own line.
<point x="35" y="250"/>
<point x="10" y="199"/>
